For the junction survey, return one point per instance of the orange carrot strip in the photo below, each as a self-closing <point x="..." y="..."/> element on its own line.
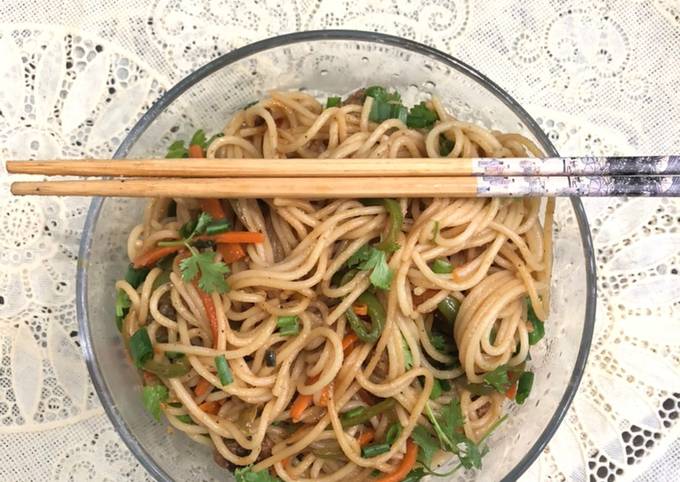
<point x="347" y="343"/>
<point x="231" y="252"/>
<point x="299" y="406"/>
<point x="237" y="237"/>
<point x="405" y="466"/>
<point x="361" y="310"/>
<point x="210" y="311"/>
<point x="153" y="255"/>
<point x="202" y="387"/>
<point x="210" y="407"/>
<point x="512" y="391"/>
<point x="214" y="208"/>
<point x="302" y="402"/>
<point x="195" y="151"/>
<point x="366" y="437"/>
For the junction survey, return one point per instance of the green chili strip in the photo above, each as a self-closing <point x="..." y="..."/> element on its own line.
<point x="223" y="370"/>
<point x="526" y="381"/>
<point x="376" y="313"/>
<point x="389" y="244"/>
<point x="135" y="276"/>
<point x="218" y="227"/>
<point x="167" y="369"/>
<point x="441" y="266"/>
<point x="374" y="450"/>
<point x="538" y="331"/>
<point x="366" y="413"/>
<point x="449" y="307"/>
<point x="393" y="433"/>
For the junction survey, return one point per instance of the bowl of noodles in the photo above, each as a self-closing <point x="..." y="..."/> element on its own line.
<point x="319" y="339"/>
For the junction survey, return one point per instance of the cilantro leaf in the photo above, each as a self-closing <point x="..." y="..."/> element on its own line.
<point x="153" y="396"/>
<point x="370" y="258"/>
<point x="469" y="454"/>
<point x="420" y="117"/>
<point x="451" y="418"/>
<point x="210" y="141"/>
<point x="438" y="342"/>
<point x="195" y="227"/>
<point x="177" y="150"/>
<point x="381" y="276"/>
<point x="498" y="379"/>
<point x="247" y="474"/>
<point x="428" y="443"/>
<point x="415" y="475"/>
<point x="212" y="273"/>
<point x="361" y="255"/>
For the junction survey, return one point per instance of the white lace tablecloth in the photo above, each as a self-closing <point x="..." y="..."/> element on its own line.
<point x="601" y="77"/>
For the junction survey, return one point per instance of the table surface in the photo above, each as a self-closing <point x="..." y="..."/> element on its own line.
<point x="600" y="78"/>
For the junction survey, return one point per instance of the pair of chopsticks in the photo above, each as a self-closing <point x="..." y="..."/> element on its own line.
<point x="362" y="178"/>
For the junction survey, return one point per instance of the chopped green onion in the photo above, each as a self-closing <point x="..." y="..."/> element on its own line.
<point x="140" y="347"/>
<point x="166" y="369"/>
<point x="374" y="450"/>
<point x="449" y="307"/>
<point x="153" y="396"/>
<point x="441" y="266"/>
<point x="376" y="313"/>
<point x="218" y="227"/>
<point x="393" y="433"/>
<point x="135" y="276"/>
<point x="122" y="307"/>
<point x="389" y="244"/>
<point x="538" y="331"/>
<point x="333" y="102"/>
<point x="223" y="370"/>
<point x="436" y="390"/>
<point x="350" y="419"/>
<point x="288" y="325"/>
<point x="354" y="412"/>
<point x="524" y="385"/>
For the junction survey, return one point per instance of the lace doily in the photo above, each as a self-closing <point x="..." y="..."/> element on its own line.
<point x="76" y="75"/>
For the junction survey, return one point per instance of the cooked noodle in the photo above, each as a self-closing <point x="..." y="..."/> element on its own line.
<point x="500" y="248"/>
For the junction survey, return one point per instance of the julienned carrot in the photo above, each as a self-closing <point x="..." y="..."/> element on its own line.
<point x="247" y="237"/>
<point x="210" y="311"/>
<point x="231" y="252"/>
<point x="195" y="151"/>
<point x="202" y="387"/>
<point x="214" y="208"/>
<point x="299" y="406"/>
<point x="302" y="402"/>
<point x="210" y="407"/>
<point x="347" y="343"/>
<point x="366" y="437"/>
<point x="360" y="310"/>
<point x="512" y="391"/>
<point x="405" y="466"/>
<point x="154" y="254"/>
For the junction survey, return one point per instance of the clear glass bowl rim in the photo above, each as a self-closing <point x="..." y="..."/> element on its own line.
<point x="310" y="36"/>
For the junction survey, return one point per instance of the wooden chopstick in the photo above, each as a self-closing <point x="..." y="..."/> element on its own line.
<point x="200" y="168"/>
<point x="360" y="187"/>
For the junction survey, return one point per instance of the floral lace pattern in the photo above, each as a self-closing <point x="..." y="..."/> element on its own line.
<point x="75" y="77"/>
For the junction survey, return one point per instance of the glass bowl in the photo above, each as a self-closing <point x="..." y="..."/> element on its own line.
<point x="328" y="62"/>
